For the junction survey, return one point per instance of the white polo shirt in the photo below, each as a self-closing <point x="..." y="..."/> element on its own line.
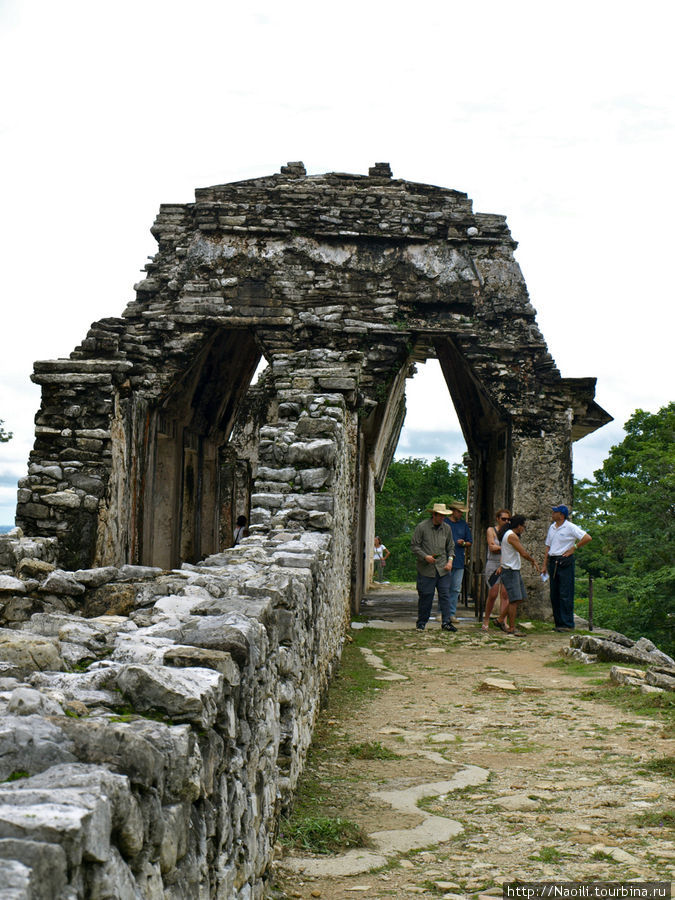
<point x="561" y="538"/>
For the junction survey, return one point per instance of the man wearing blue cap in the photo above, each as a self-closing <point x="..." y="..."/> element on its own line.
<point x="562" y="540"/>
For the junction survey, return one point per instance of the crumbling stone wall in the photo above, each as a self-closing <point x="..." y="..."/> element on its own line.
<point x="156" y="737"/>
<point x="178" y="682"/>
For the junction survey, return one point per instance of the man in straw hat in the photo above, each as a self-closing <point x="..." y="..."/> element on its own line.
<point x="434" y="550"/>
<point x="461" y="535"/>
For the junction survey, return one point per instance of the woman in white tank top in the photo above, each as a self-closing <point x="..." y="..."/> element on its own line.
<point x="513" y="553"/>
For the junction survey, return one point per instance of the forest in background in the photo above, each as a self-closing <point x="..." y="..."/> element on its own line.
<point x="628" y="508"/>
<point x="411" y="487"/>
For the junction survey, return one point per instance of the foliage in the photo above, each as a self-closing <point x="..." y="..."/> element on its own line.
<point x="629" y="510"/>
<point x="412" y="486"/>
<point x="4" y="435"/>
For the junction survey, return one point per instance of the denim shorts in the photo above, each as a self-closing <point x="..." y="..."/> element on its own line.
<point x="513" y="582"/>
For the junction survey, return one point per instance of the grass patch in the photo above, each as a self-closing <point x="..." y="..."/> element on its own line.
<point x="17" y="775"/>
<point x="586" y="670"/>
<point x="659" y="706"/>
<point x="322" y="834"/>
<point x="372" y="750"/>
<point x="665" y="766"/>
<point x="548" y="855"/>
<point x="664" y="818"/>
<point x="600" y="855"/>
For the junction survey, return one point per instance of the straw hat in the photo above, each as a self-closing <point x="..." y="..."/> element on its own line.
<point x="440" y="508"/>
<point x="460" y="506"/>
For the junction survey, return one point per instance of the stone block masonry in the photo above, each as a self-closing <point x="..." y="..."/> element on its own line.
<point x="150" y="753"/>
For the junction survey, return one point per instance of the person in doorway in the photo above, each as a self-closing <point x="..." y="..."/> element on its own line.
<point x="240" y="530"/>
<point x="434" y="550"/>
<point x="512" y="556"/>
<point x="562" y="541"/>
<point x="494" y="554"/>
<point x="380" y="556"/>
<point x="461" y="534"/>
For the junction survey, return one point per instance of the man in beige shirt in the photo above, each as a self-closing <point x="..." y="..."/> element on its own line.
<point x="434" y="550"/>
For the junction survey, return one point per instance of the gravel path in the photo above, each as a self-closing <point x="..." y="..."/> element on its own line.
<point x="507" y="767"/>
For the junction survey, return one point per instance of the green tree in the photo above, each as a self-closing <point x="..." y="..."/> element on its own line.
<point x="411" y="487"/>
<point x="4" y="435"/>
<point x="629" y="509"/>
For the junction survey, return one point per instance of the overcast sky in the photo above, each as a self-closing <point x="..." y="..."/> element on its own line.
<point x="558" y="116"/>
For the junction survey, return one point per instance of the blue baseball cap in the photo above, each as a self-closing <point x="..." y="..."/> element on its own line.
<point x="561" y="509"/>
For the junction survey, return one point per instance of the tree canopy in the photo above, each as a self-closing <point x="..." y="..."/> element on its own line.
<point x="4" y="435"/>
<point x="629" y="510"/>
<point x="411" y="487"/>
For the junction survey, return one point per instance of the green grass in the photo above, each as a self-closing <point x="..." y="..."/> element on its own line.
<point x="322" y="834"/>
<point x="372" y="750"/>
<point x="16" y="775"/>
<point x="664" y="818"/>
<point x="600" y="855"/>
<point x="587" y="670"/>
<point x="665" y="766"/>
<point x="660" y="706"/>
<point x="548" y="855"/>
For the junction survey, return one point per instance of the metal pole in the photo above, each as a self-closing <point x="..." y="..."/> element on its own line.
<point x="590" y="603"/>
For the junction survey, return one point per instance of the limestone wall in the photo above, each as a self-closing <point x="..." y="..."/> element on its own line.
<point x="153" y="723"/>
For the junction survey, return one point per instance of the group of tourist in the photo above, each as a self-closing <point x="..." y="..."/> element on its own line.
<point x="439" y="544"/>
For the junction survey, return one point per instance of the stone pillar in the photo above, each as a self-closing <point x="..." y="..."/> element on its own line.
<point x="541" y="475"/>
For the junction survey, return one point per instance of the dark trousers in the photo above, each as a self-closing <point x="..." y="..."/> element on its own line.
<point x="561" y="572"/>
<point x="427" y="585"/>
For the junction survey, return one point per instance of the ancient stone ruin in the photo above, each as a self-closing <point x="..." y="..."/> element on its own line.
<point x="158" y="689"/>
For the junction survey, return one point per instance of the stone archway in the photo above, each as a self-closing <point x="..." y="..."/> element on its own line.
<point x="341" y="282"/>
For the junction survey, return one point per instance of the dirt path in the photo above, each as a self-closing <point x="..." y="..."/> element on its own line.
<point x="544" y="780"/>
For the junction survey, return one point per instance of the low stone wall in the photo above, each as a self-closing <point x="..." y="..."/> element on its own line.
<point x="151" y="753"/>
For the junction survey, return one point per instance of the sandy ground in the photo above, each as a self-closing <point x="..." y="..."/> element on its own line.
<point x="505" y="771"/>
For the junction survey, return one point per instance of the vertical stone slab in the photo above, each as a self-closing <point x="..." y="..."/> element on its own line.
<point x="541" y="476"/>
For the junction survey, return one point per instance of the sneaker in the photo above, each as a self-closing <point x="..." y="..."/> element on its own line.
<point x="448" y="626"/>
<point x="419" y="628"/>
<point x="454" y="619"/>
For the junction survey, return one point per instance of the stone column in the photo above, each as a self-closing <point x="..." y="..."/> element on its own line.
<point x="541" y="475"/>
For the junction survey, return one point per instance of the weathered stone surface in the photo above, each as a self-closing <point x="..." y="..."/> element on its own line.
<point x="25" y="701"/>
<point x="93" y="578"/>
<point x="110" y="600"/>
<point x="46" y="864"/>
<point x="31" y="744"/>
<point x="29" y="651"/>
<point x="188" y="694"/>
<point x="60" y="582"/>
<point x="10" y="585"/>
<point x="216" y="633"/>
<point x="497" y="684"/>
<point x="660" y="680"/>
<point x="613" y="647"/>
<point x="34" y="568"/>
<point x="222" y="662"/>
<point x="622" y="675"/>
<point x="119" y="746"/>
